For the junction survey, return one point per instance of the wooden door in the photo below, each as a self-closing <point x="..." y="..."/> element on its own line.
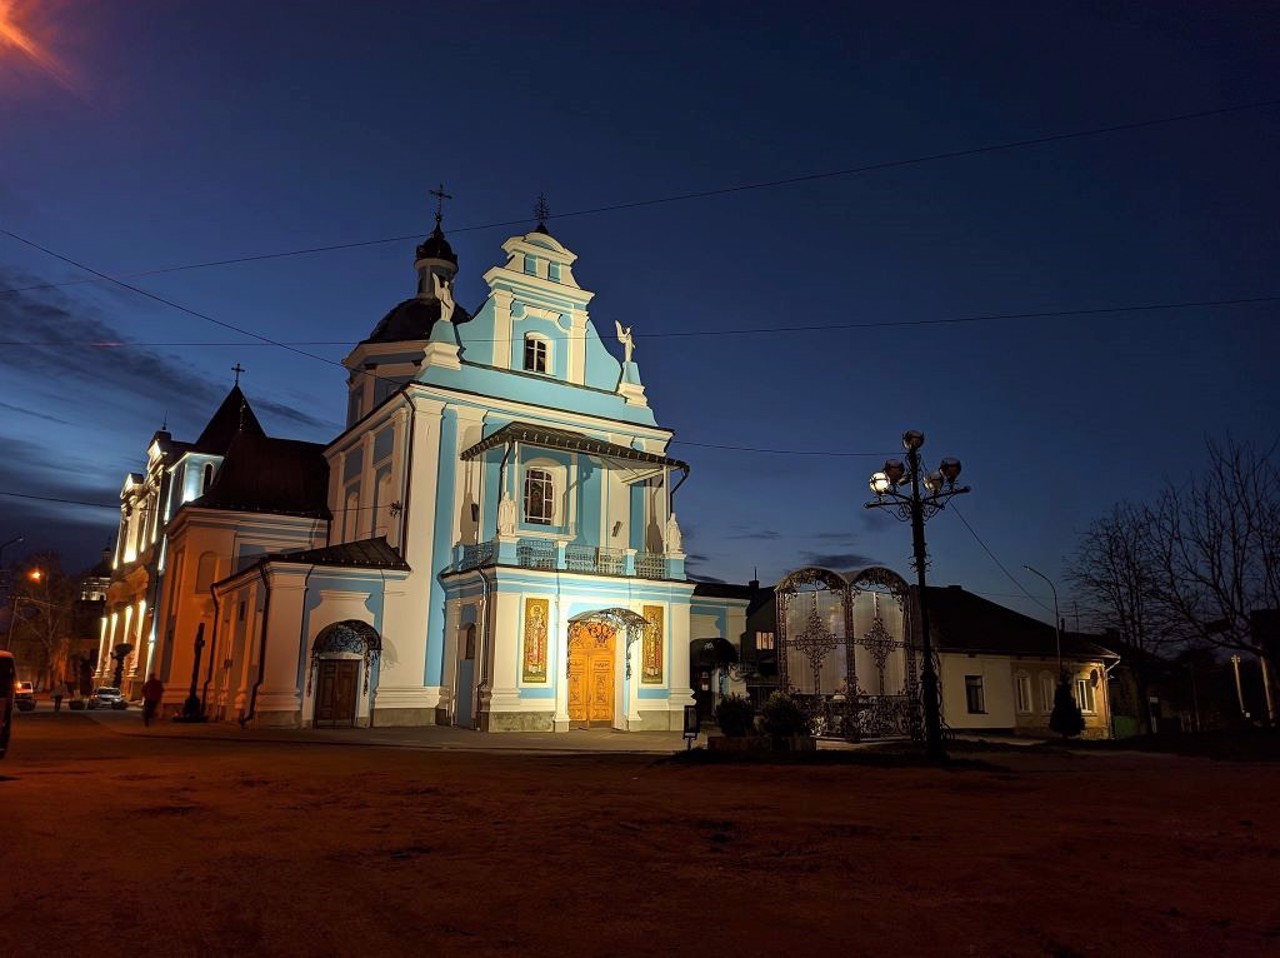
<point x="336" y="692"/>
<point x="591" y="674"/>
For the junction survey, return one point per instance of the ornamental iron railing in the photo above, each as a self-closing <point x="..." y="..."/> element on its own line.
<point x="538" y="553"/>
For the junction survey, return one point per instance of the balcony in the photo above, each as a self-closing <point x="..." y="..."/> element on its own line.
<point x="561" y="555"/>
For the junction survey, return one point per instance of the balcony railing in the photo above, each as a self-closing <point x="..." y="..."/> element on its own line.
<point x="538" y="553"/>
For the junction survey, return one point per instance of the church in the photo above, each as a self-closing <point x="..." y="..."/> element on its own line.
<point x="491" y="543"/>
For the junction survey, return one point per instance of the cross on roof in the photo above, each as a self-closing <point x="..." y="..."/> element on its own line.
<point x="237" y="369"/>
<point x="440" y="196"/>
<point x="541" y="210"/>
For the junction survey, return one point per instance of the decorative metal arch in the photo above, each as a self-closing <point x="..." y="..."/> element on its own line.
<point x="856" y="713"/>
<point x="632" y="624"/>
<point x="350" y="636"/>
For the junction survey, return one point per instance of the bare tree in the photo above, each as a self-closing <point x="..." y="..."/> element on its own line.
<point x="1114" y="572"/>
<point x="43" y="606"/>
<point x="1217" y="550"/>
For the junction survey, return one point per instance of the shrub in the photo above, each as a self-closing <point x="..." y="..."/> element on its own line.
<point x="736" y="716"/>
<point x="1067" y="719"/>
<point x="782" y="717"/>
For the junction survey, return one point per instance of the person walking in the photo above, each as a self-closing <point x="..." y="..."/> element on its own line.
<point x="152" y="693"/>
<point x="57" y="698"/>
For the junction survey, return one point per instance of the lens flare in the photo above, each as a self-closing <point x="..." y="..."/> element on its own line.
<point x="17" y="33"/>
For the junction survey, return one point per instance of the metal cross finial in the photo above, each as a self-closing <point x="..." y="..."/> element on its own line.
<point x="237" y="369"/>
<point x="541" y="210"/>
<point x="440" y="196"/>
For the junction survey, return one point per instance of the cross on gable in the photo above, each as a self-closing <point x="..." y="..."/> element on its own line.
<point x="237" y="369"/>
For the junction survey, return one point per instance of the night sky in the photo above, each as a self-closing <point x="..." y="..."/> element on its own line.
<point x="152" y="134"/>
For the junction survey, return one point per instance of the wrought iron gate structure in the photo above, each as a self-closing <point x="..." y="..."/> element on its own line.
<point x="846" y="708"/>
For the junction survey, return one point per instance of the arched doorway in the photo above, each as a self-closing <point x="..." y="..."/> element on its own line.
<point x="594" y="690"/>
<point x="342" y="653"/>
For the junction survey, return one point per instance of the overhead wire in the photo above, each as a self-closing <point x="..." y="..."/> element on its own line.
<point x="992" y="555"/>
<point x="704" y="194"/>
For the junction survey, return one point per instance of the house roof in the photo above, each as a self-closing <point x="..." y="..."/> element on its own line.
<point x="363" y="554"/>
<point x="723" y="590"/>
<point x="548" y="437"/>
<point x="964" y="622"/>
<point x="260" y="474"/>
<point x="234" y="416"/>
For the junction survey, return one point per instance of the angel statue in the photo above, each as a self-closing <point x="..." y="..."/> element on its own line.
<point x="624" y="337"/>
<point x="443" y="290"/>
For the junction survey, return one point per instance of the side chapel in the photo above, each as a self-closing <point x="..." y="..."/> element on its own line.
<point x="491" y="543"/>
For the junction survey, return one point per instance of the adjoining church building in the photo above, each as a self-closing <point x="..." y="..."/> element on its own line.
<point x="491" y="543"/>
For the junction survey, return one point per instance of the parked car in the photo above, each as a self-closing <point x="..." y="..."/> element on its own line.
<point x="24" y="696"/>
<point x="106" y="697"/>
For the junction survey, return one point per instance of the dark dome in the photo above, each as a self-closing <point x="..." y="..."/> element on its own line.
<point x="412" y="320"/>
<point x="436" y="246"/>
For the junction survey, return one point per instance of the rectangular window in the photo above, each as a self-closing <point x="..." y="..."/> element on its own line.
<point x="973" y="694"/>
<point x="765" y="642"/>
<point x="1046" y="693"/>
<point x="1084" y="695"/>
<point x="539" y="497"/>
<point x="531" y="265"/>
<point x="553" y="272"/>
<point x="1022" y="688"/>
<point x="535" y="355"/>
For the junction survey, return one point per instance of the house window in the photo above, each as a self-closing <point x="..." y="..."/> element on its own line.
<point x="539" y="497"/>
<point x="1084" y="695"/>
<point x="535" y="354"/>
<point x="1022" y="691"/>
<point x="765" y="642"/>
<point x="1046" y="692"/>
<point x="973" y="694"/>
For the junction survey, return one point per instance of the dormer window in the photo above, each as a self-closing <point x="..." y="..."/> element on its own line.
<point x="539" y="497"/>
<point x="536" y="350"/>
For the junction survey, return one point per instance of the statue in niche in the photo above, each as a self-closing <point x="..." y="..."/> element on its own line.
<point x="506" y="516"/>
<point x="624" y="337"/>
<point x="673" y="536"/>
<point x="443" y="291"/>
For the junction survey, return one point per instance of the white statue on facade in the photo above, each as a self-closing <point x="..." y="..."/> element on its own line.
<point x="443" y="291"/>
<point x="674" y="538"/>
<point x="624" y="337"/>
<point x="506" y="516"/>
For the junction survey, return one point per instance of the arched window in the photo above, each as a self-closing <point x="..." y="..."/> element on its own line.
<point x="539" y="497"/>
<point x="208" y="479"/>
<point x="206" y="571"/>
<point x="351" y="515"/>
<point x="537" y="353"/>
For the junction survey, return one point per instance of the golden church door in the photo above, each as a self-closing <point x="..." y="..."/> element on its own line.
<point x="591" y="674"/>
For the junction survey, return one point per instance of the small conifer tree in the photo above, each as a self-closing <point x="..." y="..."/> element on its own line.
<point x="1067" y="719"/>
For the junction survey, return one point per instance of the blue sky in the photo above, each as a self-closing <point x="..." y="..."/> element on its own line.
<point x="174" y="134"/>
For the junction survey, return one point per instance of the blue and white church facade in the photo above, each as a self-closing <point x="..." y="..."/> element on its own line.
<point x="502" y="552"/>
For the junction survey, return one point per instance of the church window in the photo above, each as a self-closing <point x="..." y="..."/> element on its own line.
<point x="205" y="571"/>
<point x="351" y="515"/>
<point x="539" y="497"/>
<point x="535" y="354"/>
<point x="553" y="272"/>
<point x="531" y="265"/>
<point x="208" y="479"/>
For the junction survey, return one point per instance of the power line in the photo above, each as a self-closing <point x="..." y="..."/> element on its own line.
<point x="703" y="194"/>
<point x="999" y="564"/>
<point x="739" y="331"/>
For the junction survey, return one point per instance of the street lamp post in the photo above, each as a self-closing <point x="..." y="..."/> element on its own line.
<point x="914" y="507"/>
<point x="1057" y="622"/>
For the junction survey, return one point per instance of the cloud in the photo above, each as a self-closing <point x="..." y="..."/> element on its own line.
<point x="31" y="412"/>
<point x="838" y="561"/>
<point x="757" y="534"/>
<point x="67" y="337"/>
<point x="706" y="578"/>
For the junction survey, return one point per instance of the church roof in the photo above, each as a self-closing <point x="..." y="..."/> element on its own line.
<point x="233" y="416"/>
<point x="412" y="320"/>
<point x="548" y="437"/>
<point x="436" y="246"/>
<point x="363" y="554"/>
<point x="260" y="474"/>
